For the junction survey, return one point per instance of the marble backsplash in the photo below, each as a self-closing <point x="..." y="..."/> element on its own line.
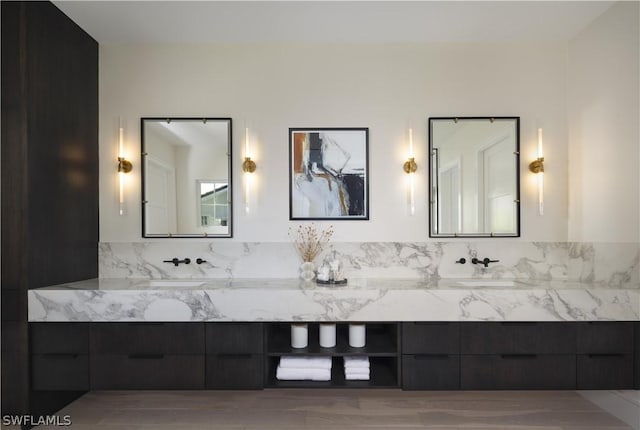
<point x="606" y="264"/>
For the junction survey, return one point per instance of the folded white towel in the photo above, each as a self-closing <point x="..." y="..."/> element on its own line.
<point x="357" y="377"/>
<point x="356" y="362"/>
<point x="293" y="374"/>
<point x="356" y="372"/>
<point x="293" y="362"/>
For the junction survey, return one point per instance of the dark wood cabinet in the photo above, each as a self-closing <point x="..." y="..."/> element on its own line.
<point x="430" y="356"/>
<point x="235" y="371"/>
<point x="605" y="355"/>
<point x="431" y="372"/>
<point x="235" y="356"/>
<point x="50" y="226"/>
<point x="147" y="356"/>
<point x="518" y="372"/>
<point x="147" y="338"/>
<point x="69" y="357"/>
<point x="147" y="371"/>
<point x="59" y="356"/>
<point x="430" y="338"/>
<point x="605" y="371"/>
<point x="517" y="338"/>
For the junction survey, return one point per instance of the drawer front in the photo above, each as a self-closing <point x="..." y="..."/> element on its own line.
<point x="605" y="337"/>
<point x="235" y="372"/>
<point x="518" y="372"/>
<point x="149" y="338"/>
<point x="431" y="372"/>
<point x="234" y="338"/>
<point x="430" y="338"/>
<point x="605" y="371"/>
<point x="59" y="338"/>
<point x="517" y="338"/>
<point x="147" y="372"/>
<point x="60" y="372"/>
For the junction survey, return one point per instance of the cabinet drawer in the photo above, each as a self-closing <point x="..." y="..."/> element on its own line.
<point x="430" y="338"/>
<point x="235" y="371"/>
<point x="146" y="372"/>
<point x="147" y="338"/>
<point x="59" y="338"/>
<point x="605" y="371"/>
<point x="60" y="372"/>
<point x="431" y="372"/>
<point x="234" y="337"/>
<point x="517" y="338"/>
<point x="518" y="372"/>
<point x="605" y="337"/>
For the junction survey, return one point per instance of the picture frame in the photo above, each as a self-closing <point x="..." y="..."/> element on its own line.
<point x="329" y="173"/>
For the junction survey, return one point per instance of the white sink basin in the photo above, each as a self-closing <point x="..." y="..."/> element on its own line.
<point x="486" y="283"/>
<point x="175" y="283"/>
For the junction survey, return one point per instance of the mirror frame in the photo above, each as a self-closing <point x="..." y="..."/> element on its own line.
<point x="143" y="154"/>
<point x="433" y="186"/>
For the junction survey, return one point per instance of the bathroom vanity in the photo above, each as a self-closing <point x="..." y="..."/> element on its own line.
<point x="220" y="334"/>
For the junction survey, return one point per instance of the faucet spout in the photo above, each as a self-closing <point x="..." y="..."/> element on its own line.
<point x="485" y="261"/>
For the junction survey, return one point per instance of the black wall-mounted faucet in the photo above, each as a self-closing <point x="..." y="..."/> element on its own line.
<point x="175" y="261"/>
<point x="484" y="261"/>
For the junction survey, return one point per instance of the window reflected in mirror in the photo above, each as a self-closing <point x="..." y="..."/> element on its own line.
<point x="474" y="176"/>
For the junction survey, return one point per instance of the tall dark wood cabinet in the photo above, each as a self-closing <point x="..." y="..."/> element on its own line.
<point x="49" y="176"/>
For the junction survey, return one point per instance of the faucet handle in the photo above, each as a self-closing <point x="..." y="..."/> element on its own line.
<point x="200" y="260"/>
<point x="461" y="261"/>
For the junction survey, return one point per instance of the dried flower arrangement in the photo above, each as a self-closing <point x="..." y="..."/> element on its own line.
<point x="309" y="242"/>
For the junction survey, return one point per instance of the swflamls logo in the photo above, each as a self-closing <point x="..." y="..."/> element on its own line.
<point x="41" y="420"/>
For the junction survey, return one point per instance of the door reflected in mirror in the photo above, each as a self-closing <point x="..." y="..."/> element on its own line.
<point x="474" y="176"/>
<point x="186" y="181"/>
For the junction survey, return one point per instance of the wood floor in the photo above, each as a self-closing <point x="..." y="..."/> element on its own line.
<point x="337" y="409"/>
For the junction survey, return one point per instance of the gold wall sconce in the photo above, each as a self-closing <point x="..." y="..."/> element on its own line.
<point x="124" y="166"/>
<point x="537" y="167"/>
<point x="410" y="167"/>
<point x="248" y="167"/>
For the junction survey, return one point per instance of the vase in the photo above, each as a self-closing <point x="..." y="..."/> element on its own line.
<point x="307" y="271"/>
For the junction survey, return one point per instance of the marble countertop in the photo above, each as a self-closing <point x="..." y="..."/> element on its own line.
<point x="360" y="300"/>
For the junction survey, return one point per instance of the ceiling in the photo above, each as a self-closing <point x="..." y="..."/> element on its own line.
<point x="204" y="22"/>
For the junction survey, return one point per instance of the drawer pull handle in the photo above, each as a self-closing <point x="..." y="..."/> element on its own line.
<point x="518" y="356"/>
<point x="431" y="357"/>
<point x="146" y="356"/>
<point x="605" y="355"/>
<point x="59" y="355"/>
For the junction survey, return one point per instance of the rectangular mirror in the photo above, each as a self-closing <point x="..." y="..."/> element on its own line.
<point x="474" y="171"/>
<point x="186" y="177"/>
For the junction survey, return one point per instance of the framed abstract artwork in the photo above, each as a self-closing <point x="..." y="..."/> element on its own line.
<point x="329" y="173"/>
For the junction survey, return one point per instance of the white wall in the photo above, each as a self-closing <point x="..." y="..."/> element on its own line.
<point x="603" y="120"/>
<point x="387" y="88"/>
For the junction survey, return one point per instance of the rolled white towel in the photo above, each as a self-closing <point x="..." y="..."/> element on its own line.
<point x="293" y="362"/>
<point x="356" y="362"/>
<point x="299" y="374"/>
